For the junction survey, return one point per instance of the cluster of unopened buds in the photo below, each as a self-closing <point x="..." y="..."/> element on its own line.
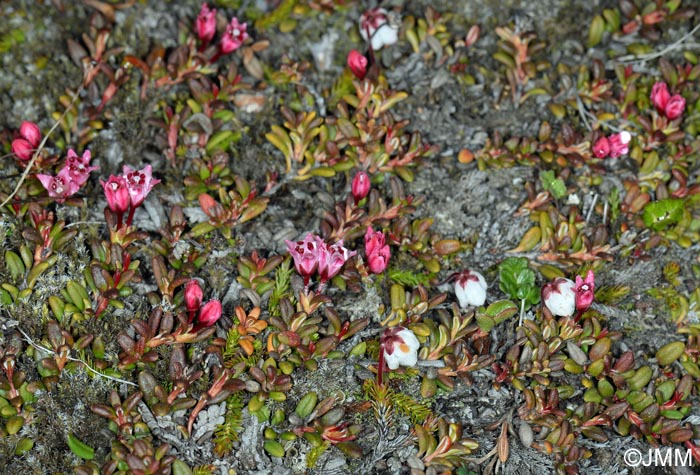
<point x="376" y="250"/>
<point x="670" y="106"/>
<point x="232" y="39"/>
<point x="612" y="146"/>
<point x="128" y="191"/>
<point x="562" y="297"/>
<point x="209" y="313"/>
<point x="313" y="254"/>
<point x="28" y="141"/>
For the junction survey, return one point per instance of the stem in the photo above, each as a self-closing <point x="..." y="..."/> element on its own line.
<point x="130" y="217"/>
<point x="380" y="366"/>
<point x="522" y="311"/>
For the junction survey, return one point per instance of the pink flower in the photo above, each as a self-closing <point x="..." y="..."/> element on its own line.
<point x="306" y="255"/>
<point x="377" y="252"/>
<point x="234" y="36"/>
<point x="360" y="186"/>
<point x="373" y="241"/>
<point x="584" y="291"/>
<point x="193" y="295"/>
<point x="660" y="96"/>
<point x="619" y="144"/>
<point x="470" y="289"/>
<point x="139" y="183"/>
<point x="601" y="148"/>
<point x="357" y="62"/>
<point x="210" y="313"/>
<point x="60" y="186"/>
<point x="22" y="149"/>
<point x="331" y="259"/>
<point x="675" y="107"/>
<point x="376" y="28"/>
<point x="206" y="24"/>
<point x="117" y="194"/>
<point x="78" y="167"/>
<point x="30" y="132"/>
<point x="559" y="296"/>
<point x="399" y="346"/>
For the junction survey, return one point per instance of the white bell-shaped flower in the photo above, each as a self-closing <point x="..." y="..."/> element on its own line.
<point x="400" y="347"/>
<point x="559" y="296"/>
<point x="470" y="289"/>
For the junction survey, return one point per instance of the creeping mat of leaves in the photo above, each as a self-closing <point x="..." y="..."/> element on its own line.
<point x="324" y="237"/>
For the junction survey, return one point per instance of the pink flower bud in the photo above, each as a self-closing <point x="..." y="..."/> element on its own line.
<point x="660" y="96"/>
<point x="193" y="295"/>
<point x="360" y="186"/>
<point x="675" y="107"/>
<point x="22" y="149"/>
<point x="331" y="259"/>
<point x="139" y="183"/>
<point x="559" y="296"/>
<point x="30" y="132"/>
<point x="206" y="24"/>
<point x="601" y="148"/>
<point x="379" y="259"/>
<point x="117" y="194"/>
<point x="234" y="36"/>
<point x="357" y="62"/>
<point x="584" y="291"/>
<point x="373" y="241"/>
<point x="210" y="313"/>
<point x="400" y="347"/>
<point x="305" y="254"/>
<point x="470" y="289"/>
<point x="619" y="144"/>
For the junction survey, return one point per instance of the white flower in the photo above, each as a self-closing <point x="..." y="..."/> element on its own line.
<point x="400" y="347"/>
<point x="559" y="296"/>
<point x="470" y="289"/>
<point x="378" y="27"/>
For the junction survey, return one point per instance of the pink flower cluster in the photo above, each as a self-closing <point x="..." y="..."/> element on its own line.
<point x="313" y="254"/>
<point x="209" y="313"/>
<point x="234" y="34"/>
<point x="128" y="191"/>
<point x="70" y="178"/>
<point x="613" y="145"/>
<point x="376" y="250"/>
<point x="670" y="106"/>
<point x="28" y="141"/>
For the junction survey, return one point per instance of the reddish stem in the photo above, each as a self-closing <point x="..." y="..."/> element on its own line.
<point x="380" y="366"/>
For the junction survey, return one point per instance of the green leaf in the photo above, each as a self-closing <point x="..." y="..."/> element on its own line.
<point x="659" y="215"/>
<point x="552" y="184"/>
<point x="80" y="449"/>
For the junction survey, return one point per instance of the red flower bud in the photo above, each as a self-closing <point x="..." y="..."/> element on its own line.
<point x="22" y="149"/>
<point x="117" y="194"/>
<point x="360" y="186"/>
<point x="193" y="295"/>
<point x="210" y="313"/>
<point x="206" y="24"/>
<point x="357" y="63"/>
<point x="675" y="107"/>
<point x="660" y="96"/>
<point x="30" y="132"/>
<point x="601" y="148"/>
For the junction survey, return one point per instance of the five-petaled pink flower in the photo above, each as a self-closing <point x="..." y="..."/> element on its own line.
<point x="376" y="250"/>
<point x="209" y="313"/>
<point x="79" y="167"/>
<point x="60" y="186"/>
<point x="139" y="183"/>
<point x="117" y="194"/>
<point x="357" y="62"/>
<point x="234" y="36"/>
<point x="305" y="254"/>
<point x="331" y="259"/>
<point x="28" y="141"/>
<point x="206" y="24"/>
<point x="584" y="291"/>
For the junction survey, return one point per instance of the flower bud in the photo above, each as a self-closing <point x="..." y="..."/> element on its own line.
<point x="360" y="185"/>
<point x="357" y="63"/>
<point x="660" y="96"/>
<point x="193" y="295"/>
<point x="619" y="144"/>
<point x="379" y="259"/>
<point x="675" y="107"/>
<point x="470" y="289"/>
<point x="22" y="149"/>
<point x="206" y="24"/>
<point x="30" y="132"/>
<point x="601" y="148"/>
<point x="400" y="347"/>
<point x="210" y="313"/>
<point x="559" y="296"/>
